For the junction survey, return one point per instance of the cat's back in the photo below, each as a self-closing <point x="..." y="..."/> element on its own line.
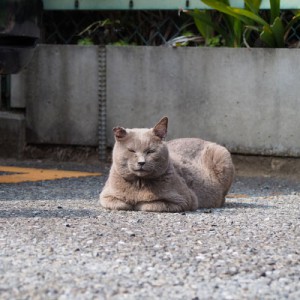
<point x="188" y="149"/>
<point x="206" y="167"/>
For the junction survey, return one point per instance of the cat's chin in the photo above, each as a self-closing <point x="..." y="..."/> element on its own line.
<point x="141" y="173"/>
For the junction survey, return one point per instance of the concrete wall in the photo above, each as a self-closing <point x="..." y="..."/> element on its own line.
<point x="61" y="91"/>
<point x="247" y="100"/>
<point x="12" y="134"/>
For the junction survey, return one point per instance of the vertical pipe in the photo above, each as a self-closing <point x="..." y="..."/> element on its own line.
<point x="102" y="102"/>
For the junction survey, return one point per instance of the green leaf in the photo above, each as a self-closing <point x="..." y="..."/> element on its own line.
<point x="224" y="9"/>
<point x="242" y="14"/>
<point x="238" y="29"/>
<point x="250" y="15"/>
<point x="203" y="23"/>
<point x="85" y="42"/>
<point x="253" y="5"/>
<point x="254" y="28"/>
<point x="267" y="36"/>
<point x="275" y="10"/>
<point x="235" y="29"/>
<point x="278" y="32"/>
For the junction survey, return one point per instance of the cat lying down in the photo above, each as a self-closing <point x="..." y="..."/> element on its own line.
<point x="150" y="174"/>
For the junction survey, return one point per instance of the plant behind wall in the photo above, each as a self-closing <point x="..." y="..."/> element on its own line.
<point x="249" y="26"/>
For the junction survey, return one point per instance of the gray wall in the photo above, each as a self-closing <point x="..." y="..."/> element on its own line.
<point x="245" y="99"/>
<point x="60" y="87"/>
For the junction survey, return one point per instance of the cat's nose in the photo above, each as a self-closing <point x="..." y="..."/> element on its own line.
<point x="141" y="163"/>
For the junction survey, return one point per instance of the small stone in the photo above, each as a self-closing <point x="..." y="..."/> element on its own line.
<point x="157" y="246"/>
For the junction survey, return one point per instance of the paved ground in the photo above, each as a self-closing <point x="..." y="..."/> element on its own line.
<point x="57" y="243"/>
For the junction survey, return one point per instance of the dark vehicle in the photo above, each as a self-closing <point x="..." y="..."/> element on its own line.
<point x="19" y="33"/>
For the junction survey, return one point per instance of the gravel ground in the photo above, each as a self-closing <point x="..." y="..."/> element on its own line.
<point x="57" y="243"/>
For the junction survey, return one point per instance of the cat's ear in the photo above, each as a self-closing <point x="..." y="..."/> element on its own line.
<point x="119" y="133"/>
<point x="161" y="128"/>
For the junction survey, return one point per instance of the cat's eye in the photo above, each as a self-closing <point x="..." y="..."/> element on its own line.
<point x="149" y="151"/>
<point x="131" y="150"/>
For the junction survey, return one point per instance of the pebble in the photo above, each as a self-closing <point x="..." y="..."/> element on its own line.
<point x="247" y="250"/>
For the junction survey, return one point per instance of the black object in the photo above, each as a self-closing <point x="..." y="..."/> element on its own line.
<point x="19" y="33"/>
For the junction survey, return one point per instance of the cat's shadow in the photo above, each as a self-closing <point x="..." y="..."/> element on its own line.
<point x="245" y="205"/>
<point x="235" y="205"/>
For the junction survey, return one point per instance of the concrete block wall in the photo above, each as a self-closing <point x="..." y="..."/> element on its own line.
<point x="245" y="99"/>
<point x="60" y="91"/>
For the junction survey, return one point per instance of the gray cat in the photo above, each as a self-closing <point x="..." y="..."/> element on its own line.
<point x="150" y="174"/>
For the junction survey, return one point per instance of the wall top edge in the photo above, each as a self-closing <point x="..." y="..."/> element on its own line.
<point x="149" y="5"/>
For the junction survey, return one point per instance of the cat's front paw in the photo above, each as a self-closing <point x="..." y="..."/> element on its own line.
<point x="158" y="206"/>
<point x="114" y="203"/>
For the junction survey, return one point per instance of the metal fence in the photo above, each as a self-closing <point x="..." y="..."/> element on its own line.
<point x="125" y="27"/>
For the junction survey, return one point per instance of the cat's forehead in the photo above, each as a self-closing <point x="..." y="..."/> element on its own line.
<point x="140" y="137"/>
<point x="138" y="131"/>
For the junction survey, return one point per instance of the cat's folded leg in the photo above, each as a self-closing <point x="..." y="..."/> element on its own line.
<point x="159" y="206"/>
<point x="111" y="202"/>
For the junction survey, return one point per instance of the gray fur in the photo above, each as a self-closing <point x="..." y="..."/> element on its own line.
<point x="150" y="174"/>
